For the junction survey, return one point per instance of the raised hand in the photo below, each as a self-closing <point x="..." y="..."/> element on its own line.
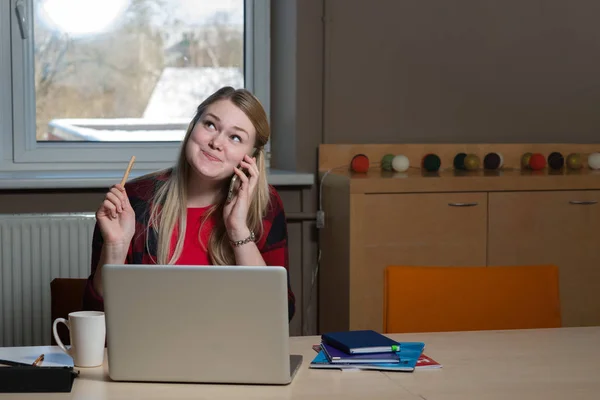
<point x="116" y="217"/>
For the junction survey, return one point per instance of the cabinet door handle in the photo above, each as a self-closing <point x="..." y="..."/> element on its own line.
<point x="583" y="202"/>
<point x="462" y="204"/>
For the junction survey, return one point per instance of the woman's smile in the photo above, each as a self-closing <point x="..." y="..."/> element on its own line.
<point x="210" y="157"/>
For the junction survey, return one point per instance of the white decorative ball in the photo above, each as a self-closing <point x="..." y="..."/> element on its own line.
<point x="594" y="161"/>
<point x="400" y="163"/>
<point x="501" y="160"/>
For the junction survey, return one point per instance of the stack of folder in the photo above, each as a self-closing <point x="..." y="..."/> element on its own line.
<point x="366" y="349"/>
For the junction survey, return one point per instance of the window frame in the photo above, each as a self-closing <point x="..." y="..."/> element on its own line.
<point x="20" y="151"/>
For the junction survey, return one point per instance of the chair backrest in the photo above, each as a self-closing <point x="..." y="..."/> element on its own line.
<point x="436" y="299"/>
<point x="66" y="295"/>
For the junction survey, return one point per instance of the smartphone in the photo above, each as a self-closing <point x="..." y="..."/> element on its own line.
<point x="234" y="185"/>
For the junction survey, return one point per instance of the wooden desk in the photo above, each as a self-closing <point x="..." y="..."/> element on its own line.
<point x="521" y="364"/>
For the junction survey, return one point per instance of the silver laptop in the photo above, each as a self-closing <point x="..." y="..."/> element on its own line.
<point x="207" y="324"/>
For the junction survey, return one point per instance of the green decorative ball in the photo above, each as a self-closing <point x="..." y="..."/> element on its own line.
<point x="459" y="161"/>
<point x="432" y="162"/>
<point x="386" y="162"/>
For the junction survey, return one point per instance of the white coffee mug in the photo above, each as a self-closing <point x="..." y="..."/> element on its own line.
<point x="87" y="330"/>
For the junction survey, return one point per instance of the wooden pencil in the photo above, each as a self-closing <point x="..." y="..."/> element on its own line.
<point x="128" y="170"/>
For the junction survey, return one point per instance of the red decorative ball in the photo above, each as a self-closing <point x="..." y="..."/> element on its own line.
<point x="360" y="163"/>
<point x="537" y="161"/>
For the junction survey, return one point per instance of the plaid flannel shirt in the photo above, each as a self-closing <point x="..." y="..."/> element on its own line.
<point x="273" y="244"/>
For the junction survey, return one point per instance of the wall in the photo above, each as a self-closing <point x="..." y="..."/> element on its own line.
<point x="461" y="71"/>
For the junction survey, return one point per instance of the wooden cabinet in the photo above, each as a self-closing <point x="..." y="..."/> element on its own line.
<point x="450" y="217"/>
<point x="409" y="228"/>
<point x="426" y="227"/>
<point x="555" y="227"/>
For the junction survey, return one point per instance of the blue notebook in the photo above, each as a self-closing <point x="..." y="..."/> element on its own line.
<point x="408" y="350"/>
<point x="404" y="365"/>
<point x="358" y="342"/>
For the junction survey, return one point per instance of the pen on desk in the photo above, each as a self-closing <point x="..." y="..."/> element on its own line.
<point x="38" y="360"/>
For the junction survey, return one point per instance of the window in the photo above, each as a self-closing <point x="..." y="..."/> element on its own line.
<point x="87" y="84"/>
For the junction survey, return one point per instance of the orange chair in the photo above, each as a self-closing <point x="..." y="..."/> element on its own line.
<point x="437" y="299"/>
<point x="66" y="295"/>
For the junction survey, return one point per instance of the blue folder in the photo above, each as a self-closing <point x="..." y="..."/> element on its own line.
<point x="405" y="364"/>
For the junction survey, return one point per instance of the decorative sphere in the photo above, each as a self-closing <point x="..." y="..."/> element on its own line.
<point x="432" y="162"/>
<point x="574" y="161"/>
<point x="594" y="160"/>
<point x="400" y="163"/>
<point x="525" y="160"/>
<point x="386" y="162"/>
<point x="492" y="161"/>
<point x="537" y="161"/>
<point x="472" y="162"/>
<point x="556" y="160"/>
<point x="459" y="161"/>
<point x="360" y="163"/>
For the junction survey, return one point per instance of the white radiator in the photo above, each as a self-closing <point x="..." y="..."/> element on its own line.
<point x="35" y="249"/>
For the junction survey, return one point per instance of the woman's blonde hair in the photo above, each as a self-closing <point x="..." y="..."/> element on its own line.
<point x="169" y="207"/>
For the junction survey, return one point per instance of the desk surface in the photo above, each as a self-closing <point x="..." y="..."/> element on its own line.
<point x="519" y="364"/>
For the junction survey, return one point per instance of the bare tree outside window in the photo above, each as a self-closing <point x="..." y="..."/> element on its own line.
<point x="142" y="76"/>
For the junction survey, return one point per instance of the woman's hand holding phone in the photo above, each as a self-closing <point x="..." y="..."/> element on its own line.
<point x="235" y="212"/>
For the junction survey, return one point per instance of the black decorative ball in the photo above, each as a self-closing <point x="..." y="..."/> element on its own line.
<point x="491" y="161"/>
<point x="556" y="160"/>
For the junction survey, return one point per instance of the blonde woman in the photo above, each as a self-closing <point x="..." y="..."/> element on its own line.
<point x="183" y="215"/>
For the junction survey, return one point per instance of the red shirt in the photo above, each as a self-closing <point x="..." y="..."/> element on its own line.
<point x="195" y="242"/>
